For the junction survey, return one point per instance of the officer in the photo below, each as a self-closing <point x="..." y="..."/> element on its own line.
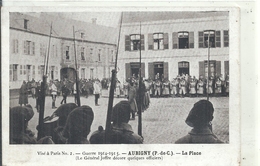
<point x="121" y="131"/>
<point x="200" y="118"/>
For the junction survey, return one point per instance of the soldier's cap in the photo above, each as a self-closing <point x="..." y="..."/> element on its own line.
<point x="121" y="112"/>
<point x="201" y="114"/>
<point x="21" y="114"/>
<point x="63" y="111"/>
<point x="79" y="121"/>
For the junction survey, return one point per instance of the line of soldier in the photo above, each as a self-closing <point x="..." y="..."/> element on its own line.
<point x="187" y="86"/>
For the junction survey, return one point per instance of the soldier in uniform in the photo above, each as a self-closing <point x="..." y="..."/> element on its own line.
<point x="192" y="87"/>
<point x="183" y="86"/>
<point x="209" y="86"/>
<point x="118" y="88"/>
<point x="200" y="118"/>
<point x="175" y="84"/>
<point x="226" y="85"/>
<point x="166" y="87"/>
<point x="121" y="132"/>
<point x="65" y="92"/>
<point x="218" y="87"/>
<point x="126" y="87"/>
<point x="78" y="125"/>
<point x="200" y="87"/>
<point x="53" y="89"/>
<point x="19" y="131"/>
<point x="157" y="87"/>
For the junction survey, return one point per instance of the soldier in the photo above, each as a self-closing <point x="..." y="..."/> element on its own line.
<point x="19" y="131"/>
<point x="121" y="132"/>
<point x="192" y="87"/>
<point x="118" y="88"/>
<point x="175" y="84"/>
<point x="23" y="94"/>
<point x="209" y="86"/>
<point x="200" y="118"/>
<point x="157" y="87"/>
<point x="200" y="87"/>
<point x="226" y="85"/>
<point x="78" y="125"/>
<point x="218" y="87"/>
<point x="53" y="90"/>
<point x="65" y="92"/>
<point x="126" y="87"/>
<point x="166" y="87"/>
<point x="97" y="91"/>
<point x="183" y="86"/>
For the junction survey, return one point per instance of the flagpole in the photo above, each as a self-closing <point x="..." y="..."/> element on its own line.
<point x="208" y="67"/>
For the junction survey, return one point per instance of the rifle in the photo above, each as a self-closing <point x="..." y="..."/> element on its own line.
<point x="140" y="90"/>
<point x="76" y="67"/>
<point x="43" y="92"/>
<point x="112" y="89"/>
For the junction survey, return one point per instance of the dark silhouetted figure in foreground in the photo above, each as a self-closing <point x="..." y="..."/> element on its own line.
<point x="78" y="125"/>
<point x="200" y="118"/>
<point x="121" y="132"/>
<point x="19" y="131"/>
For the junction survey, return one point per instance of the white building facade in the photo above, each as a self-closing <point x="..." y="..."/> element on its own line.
<point x="175" y="47"/>
<point x="29" y="42"/>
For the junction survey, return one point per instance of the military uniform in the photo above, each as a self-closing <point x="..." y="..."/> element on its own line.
<point x="183" y="85"/>
<point x="157" y="87"/>
<point x="175" y="84"/>
<point x="209" y="86"/>
<point x="218" y="86"/>
<point x="200" y="87"/>
<point x="192" y="87"/>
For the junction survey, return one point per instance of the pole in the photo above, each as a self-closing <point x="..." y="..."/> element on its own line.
<point x="76" y="67"/>
<point x="140" y="90"/>
<point x="208" y="67"/>
<point x="111" y="92"/>
<point x="43" y="93"/>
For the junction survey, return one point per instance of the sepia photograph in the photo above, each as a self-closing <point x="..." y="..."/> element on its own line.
<point x="125" y="85"/>
<point x="171" y="77"/>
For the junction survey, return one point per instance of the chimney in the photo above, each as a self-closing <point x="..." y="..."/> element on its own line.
<point x="94" y="20"/>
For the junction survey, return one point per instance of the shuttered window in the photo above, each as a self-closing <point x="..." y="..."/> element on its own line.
<point x="165" y="41"/>
<point x="158" y="41"/>
<point x="218" y="39"/>
<point x="127" y="43"/>
<point x="191" y="39"/>
<point x="150" y="41"/>
<point x="135" y="40"/>
<point x="226" y="38"/>
<point x="15" y="46"/>
<point x="175" y="40"/>
<point x="201" y="40"/>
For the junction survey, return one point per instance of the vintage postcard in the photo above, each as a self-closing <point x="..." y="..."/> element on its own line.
<point x="83" y="83"/>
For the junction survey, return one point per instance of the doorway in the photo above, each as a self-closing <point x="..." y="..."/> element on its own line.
<point x="68" y="73"/>
<point x="158" y="70"/>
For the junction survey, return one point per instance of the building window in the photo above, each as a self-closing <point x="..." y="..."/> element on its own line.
<point x="112" y="55"/>
<point x="183" y="40"/>
<point x="226" y="38"/>
<point x="135" y="42"/>
<point x="132" y="42"/>
<point x="91" y="54"/>
<point x="83" y="73"/>
<point x="211" y="37"/>
<point x="183" y="68"/>
<point x="67" y="52"/>
<point x="15" y="46"/>
<point x="25" y="23"/>
<point x="29" y="47"/>
<point x="41" y="70"/>
<point x="91" y="73"/>
<point x="158" y="41"/>
<point x="42" y="49"/>
<point x="13" y="72"/>
<point x="54" y="51"/>
<point x="21" y="69"/>
<point x="82" y="50"/>
<point x="82" y="35"/>
<point x="33" y="71"/>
